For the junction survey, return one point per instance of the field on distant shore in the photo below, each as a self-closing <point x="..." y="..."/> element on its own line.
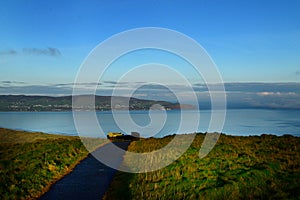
<point x="254" y="167"/>
<point x="31" y="162"/>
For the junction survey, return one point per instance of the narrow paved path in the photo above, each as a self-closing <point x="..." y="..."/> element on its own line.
<point x="89" y="180"/>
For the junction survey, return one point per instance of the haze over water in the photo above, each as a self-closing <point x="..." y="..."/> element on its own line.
<point x="238" y="122"/>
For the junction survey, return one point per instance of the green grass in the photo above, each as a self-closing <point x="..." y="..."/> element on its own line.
<point x="256" y="167"/>
<point x="31" y="162"/>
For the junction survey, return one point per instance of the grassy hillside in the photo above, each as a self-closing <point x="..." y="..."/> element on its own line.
<point x="30" y="162"/>
<point x="256" y="167"/>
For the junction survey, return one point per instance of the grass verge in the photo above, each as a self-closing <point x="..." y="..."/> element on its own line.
<point x="254" y="167"/>
<point x="31" y="162"/>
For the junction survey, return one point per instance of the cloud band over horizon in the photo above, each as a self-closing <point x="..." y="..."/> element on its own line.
<point x="239" y="95"/>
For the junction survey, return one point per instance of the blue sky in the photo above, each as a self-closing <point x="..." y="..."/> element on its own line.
<point x="43" y="43"/>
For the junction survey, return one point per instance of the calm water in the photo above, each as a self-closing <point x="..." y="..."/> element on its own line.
<point x="238" y="122"/>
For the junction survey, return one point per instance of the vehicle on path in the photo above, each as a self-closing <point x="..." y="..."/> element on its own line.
<point x="112" y="136"/>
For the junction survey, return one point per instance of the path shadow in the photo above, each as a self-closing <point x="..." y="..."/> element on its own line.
<point x="90" y="179"/>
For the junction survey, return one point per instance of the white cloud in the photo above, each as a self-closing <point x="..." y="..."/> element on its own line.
<point x="275" y="93"/>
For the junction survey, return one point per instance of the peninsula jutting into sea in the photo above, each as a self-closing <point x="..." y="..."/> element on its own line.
<point x="64" y="103"/>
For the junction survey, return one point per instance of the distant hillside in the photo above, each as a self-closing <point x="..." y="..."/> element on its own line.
<point x="64" y="103"/>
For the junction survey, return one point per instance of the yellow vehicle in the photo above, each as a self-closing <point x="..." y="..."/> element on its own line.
<point x="114" y="135"/>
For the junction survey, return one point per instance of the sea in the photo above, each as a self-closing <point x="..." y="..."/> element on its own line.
<point x="241" y="122"/>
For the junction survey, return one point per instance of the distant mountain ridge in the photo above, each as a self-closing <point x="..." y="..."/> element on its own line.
<point x="64" y="103"/>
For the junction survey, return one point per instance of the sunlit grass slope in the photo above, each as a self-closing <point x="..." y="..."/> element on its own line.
<point x="31" y="162"/>
<point x="256" y="167"/>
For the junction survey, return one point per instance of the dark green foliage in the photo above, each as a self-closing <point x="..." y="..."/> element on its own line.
<point x="265" y="167"/>
<point x="28" y="168"/>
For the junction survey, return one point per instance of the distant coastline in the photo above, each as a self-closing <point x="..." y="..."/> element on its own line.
<point x="64" y="103"/>
<point x="36" y="103"/>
